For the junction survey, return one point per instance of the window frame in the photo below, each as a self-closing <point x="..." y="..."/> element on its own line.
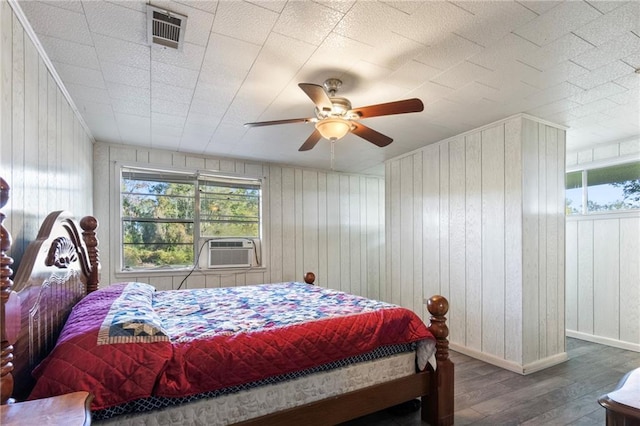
<point x="199" y="241"/>
<point x="584" y="169"/>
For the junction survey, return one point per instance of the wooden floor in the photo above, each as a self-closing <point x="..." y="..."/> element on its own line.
<point x="565" y="394"/>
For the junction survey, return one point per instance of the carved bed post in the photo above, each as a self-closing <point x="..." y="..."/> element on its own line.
<point x="6" y="366"/>
<point x="438" y="406"/>
<point x="89" y="224"/>
<point x="309" y="278"/>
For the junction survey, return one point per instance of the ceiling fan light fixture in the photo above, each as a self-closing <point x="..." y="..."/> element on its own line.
<point x="333" y="128"/>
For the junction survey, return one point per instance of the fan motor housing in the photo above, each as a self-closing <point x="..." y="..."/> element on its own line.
<point x="340" y="107"/>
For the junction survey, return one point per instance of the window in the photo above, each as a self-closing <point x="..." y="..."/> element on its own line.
<point x="604" y="189"/>
<point x="168" y="216"/>
<point x="574" y="193"/>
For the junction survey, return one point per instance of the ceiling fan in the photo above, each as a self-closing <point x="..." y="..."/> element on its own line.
<point x="335" y="117"/>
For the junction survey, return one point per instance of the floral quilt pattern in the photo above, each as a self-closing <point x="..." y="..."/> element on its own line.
<point x="201" y="313"/>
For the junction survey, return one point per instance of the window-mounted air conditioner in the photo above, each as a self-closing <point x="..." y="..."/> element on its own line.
<point x="230" y="253"/>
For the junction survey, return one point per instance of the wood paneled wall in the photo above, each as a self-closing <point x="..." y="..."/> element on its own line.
<point x="603" y="271"/>
<point x="45" y="153"/>
<point x="328" y="223"/>
<point x="603" y="280"/>
<point x="479" y="218"/>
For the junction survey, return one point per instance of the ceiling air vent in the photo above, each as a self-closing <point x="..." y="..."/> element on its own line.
<point x="165" y="28"/>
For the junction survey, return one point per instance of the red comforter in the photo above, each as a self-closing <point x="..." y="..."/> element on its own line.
<point x="127" y="341"/>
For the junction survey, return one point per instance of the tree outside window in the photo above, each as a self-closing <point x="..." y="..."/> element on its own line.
<point x="613" y="188"/>
<point x="160" y="219"/>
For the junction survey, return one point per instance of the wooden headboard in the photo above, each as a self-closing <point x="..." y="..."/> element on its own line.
<point x="59" y="268"/>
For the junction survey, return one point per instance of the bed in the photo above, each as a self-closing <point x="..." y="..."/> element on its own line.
<point x="60" y="271"/>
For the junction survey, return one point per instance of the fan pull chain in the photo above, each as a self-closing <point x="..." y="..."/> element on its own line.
<point x="333" y="155"/>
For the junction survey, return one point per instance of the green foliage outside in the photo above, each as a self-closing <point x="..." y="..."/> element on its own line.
<point x="159" y="217"/>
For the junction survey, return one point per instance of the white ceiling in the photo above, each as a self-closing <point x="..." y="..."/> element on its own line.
<point x="471" y="63"/>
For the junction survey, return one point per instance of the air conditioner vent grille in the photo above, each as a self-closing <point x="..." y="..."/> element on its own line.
<point x="230" y="253"/>
<point x="165" y="28"/>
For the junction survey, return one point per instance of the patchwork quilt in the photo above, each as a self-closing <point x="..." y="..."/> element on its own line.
<point x="127" y="341"/>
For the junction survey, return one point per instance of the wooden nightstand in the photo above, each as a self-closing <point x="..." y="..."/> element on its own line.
<point x="71" y="409"/>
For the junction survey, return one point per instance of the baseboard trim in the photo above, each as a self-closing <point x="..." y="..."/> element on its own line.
<point x="525" y="369"/>
<point x="604" y="340"/>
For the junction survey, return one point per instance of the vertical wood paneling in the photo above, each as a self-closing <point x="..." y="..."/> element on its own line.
<point x="493" y="233"/>
<point x="586" y="303"/>
<point x="490" y="204"/>
<point x="355" y="230"/>
<point x="362" y="225"/>
<point x="31" y="127"/>
<point x="196" y="163"/>
<point x="542" y="240"/>
<point x="179" y="160"/>
<point x="299" y="226"/>
<point x="630" y="280"/>
<point x="59" y="148"/>
<point x="227" y="166"/>
<point x="333" y="231"/>
<point x="553" y="251"/>
<point x="406" y="231"/>
<point x="393" y="232"/>
<point x="513" y="240"/>
<point x="276" y="224"/>
<point x="345" y="237"/>
<point x="418" y="200"/>
<point x="560" y="220"/>
<point x="445" y="244"/>
<point x="6" y="96"/>
<point x="310" y="220"/>
<point x="474" y="149"/>
<point x="17" y="177"/>
<point x="252" y="278"/>
<point x="530" y="241"/>
<point x="36" y="134"/>
<point x="102" y="205"/>
<point x="52" y="144"/>
<point x="431" y="223"/>
<point x="43" y="152"/>
<point x="159" y="157"/>
<point x="212" y="281"/>
<point x="322" y="271"/>
<point x="374" y="203"/>
<point x="572" y="275"/>
<point x="382" y="259"/>
<point x="606" y="272"/>
<point x="288" y="222"/>
<point x="457" y="240"/>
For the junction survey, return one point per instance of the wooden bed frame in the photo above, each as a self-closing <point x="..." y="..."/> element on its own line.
<point x="62" y="266"/>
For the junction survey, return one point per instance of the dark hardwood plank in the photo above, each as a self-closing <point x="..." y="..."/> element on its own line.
<point x="565" y="394"/>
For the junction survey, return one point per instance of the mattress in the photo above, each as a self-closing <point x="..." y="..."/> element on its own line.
<point x="251" y="403"/>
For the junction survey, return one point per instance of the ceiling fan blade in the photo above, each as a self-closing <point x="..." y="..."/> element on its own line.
<point x="311" y="141"/>
<point x="271" y="123"/>
<point x="371" y="135"/>
<point x="390" y="108"/>
<point x="317" y="95"/>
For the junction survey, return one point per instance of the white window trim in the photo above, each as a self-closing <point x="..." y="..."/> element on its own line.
<point x="116" y="204"/>
<point x="584" y="168"/>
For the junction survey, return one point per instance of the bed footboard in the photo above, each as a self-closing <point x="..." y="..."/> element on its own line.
<point x="437" y="407"/>
<point x="435" y="388"/>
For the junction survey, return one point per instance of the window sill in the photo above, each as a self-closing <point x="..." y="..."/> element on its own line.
<point x="604" y="215"/>
<point x="173" y="272"/>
